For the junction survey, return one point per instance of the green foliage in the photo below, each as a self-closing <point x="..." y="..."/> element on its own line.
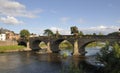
<point x="94" y="34"/>
<point x="42" y="45"/>
<point x="100" y="33"/>
<point x="10" y="48"/>
<point x="110" y="58"/>
<point x="74" y="30"/>
<point x="116" y="50"/>
<point x="114" y="34"/>
<point x="94" y="44"/>
<point x="65" y="45"/>
<point x="24" y="34"/>
<point x="48" y="32"/>
<point x="64" y="55"/>
<point x="81" y="33"/>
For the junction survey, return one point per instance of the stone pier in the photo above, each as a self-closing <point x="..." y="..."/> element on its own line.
<point x="76" y="49"/>
<point x="49" y="48"/>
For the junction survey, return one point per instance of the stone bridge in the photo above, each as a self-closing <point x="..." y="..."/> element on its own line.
<point x="79" y="43"/>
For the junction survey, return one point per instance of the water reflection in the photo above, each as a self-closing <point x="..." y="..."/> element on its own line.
<point x="30" y="62"/>
<point x="68" y="52"/>
<point x="92" y="51"/>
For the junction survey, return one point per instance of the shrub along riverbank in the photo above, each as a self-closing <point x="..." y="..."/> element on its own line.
<point x="110" y="58"/>
<point x="11" y="48"/>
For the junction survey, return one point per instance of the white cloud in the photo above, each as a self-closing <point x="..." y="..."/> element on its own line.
<point x="64" y="20"/>
<point x="101" y="28"/>
<point x="90" y="30"/>
<point x="81" y="21"/>
<point x="60" y="30"/>
<point x="10" y="20"/>
<point x="118" y="21"/>
<point x="14" y="8"/>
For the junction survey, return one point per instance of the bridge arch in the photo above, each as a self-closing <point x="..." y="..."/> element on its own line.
<point x="85" y="44"/>
<point x="82" y="48"/>
<point x="22" y="43"/>
<point x="56" y="43"/>
<point x="35" y="45"/>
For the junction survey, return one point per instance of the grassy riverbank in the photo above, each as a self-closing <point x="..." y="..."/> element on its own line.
<point x="11" y="48"/>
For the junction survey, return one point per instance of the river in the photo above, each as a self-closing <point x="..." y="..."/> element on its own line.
<point x="30" y="62"/>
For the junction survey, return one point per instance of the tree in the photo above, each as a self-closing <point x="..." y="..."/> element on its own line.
<point x="114" y="34"/>
<point x="57" y="33"/>
<point x="94" y="34"/>
<point x="81" y="33"/>
<point x="48" y="32"/>
<point x="110" y="58"/>
<point x="100" y="33"/>
<point x="74" y="30"/>
<point x="24" y="34"/>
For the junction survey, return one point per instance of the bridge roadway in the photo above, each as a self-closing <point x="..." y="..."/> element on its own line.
<point x="79" y="43"/>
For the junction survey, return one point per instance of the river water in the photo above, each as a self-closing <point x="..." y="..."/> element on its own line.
<point x="30" y="62"/>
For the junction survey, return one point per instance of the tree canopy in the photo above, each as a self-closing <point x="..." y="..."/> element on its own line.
<point x="114" y="34"/>
<point x="48" y="32"/>
<point x="24" y="34"/>
<point x="74" y="30"/>
<point x="81" y="33"/>
<point x="110" y="58"/>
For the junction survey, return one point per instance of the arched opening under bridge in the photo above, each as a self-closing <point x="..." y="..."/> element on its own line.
<point x="22" y="43"/>
<point x="93" y="47"/>
<point x="38" y="45"/>
<point x="66" y="48"/>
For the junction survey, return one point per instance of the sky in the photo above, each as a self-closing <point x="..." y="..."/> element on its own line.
<point x="90" y="16"/>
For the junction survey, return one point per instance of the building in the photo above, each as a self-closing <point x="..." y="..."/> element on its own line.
<point x="2" y="37"/>
<point x="12" y="36"/>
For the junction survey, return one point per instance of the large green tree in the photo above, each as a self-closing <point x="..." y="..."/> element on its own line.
<point x="48" y="32"/>
<point x="24" y="34"/>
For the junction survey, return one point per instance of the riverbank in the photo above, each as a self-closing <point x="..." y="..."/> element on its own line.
<point x="12" y="48"/>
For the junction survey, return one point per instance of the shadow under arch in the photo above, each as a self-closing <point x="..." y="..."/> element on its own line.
<point x="22" y="43"/>
<point x="35" y="45"/>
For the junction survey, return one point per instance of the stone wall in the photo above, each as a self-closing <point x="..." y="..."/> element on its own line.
<point x="5" y="43"/>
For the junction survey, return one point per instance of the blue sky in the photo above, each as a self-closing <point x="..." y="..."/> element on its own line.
<point x="37" y="15"/>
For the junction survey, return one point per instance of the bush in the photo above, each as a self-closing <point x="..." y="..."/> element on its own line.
<point x="110" y="58"/>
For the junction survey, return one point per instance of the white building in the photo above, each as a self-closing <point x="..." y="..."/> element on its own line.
<point x="2" y="37"/>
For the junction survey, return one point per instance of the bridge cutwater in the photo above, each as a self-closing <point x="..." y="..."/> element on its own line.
<point x="79" y="42"/>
